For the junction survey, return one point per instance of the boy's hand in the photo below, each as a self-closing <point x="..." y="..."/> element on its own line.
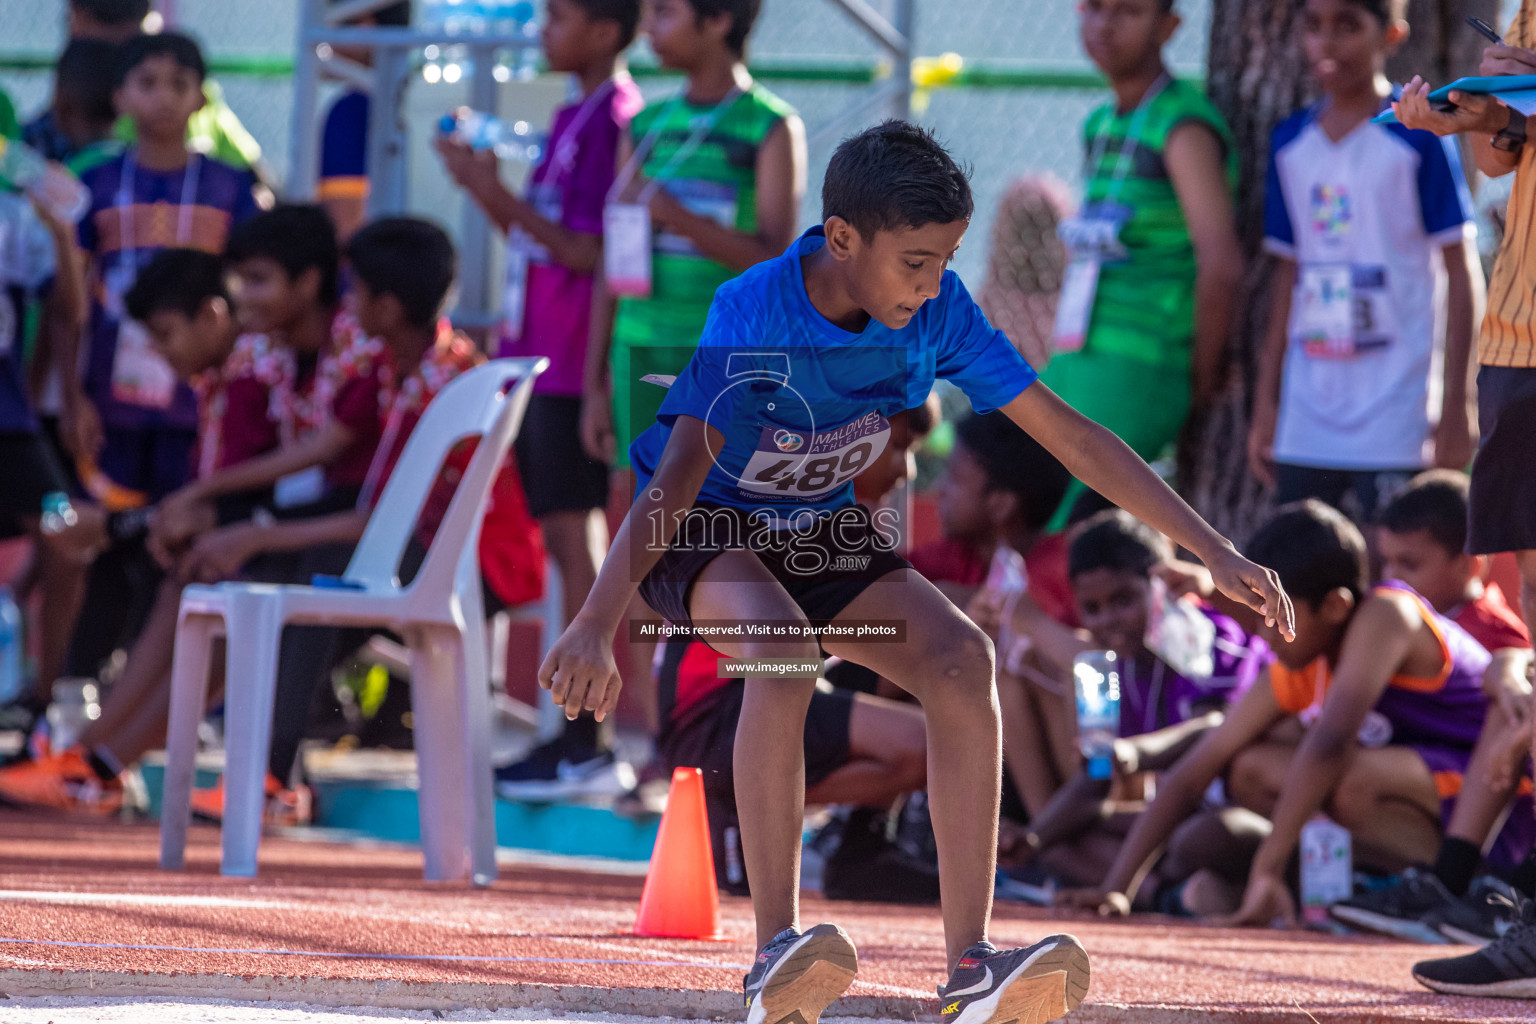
<point x="596" y="427"/>
<point x="1455" y="440"/>
<point x="580" y="671"/>
<point x="219" y="555"/>
<point x="1185" y="578"/>
<point x="1255" y="586"/>
<point x="1266" y="902"/>
<point x="472" y="170"/>
<point x="1106" y="903"/>
<point x="1503" y="59"/>
<point x="179" y="518"/>
<point x="1473" y="113"/>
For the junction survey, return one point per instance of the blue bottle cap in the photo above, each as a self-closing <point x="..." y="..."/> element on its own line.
<point x="448" y="125"/>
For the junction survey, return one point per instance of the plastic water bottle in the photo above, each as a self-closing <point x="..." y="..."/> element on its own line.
<point x="1326" y="868"/>
<point x="76" y="704"/>
<point x="58" y="513"/>
<point x="51" y="185"/>
<point x="11" y="681"/>
<point x="512" y="140"/>
<point x="1096" y="679"/>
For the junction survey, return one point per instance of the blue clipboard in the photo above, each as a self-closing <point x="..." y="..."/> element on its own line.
<point x="1497" y="85"/>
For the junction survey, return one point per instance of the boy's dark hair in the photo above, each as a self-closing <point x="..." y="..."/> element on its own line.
<point x="1115" y="539"/>
<point x="1384" y="11"/>
<point x="409" y="258"/>
<point x="87" y="74"/>
<point x="395" y="15"/>
<point x="1314" y="549"/>
<point x="625" y="12"/>
<point x="113" y="12"/>
<point x="1435" y="502"/>
<point x="295" y="236"/>
<point x="921" y="419"/>
<point x="1016" y="463"/>
<point x="182" y="49"/>
<point x="178" y="281"/>
<point x="894" y="175"/>
<point x="743" y="16"/>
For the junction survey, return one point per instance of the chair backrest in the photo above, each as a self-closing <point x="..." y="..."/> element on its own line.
<point x="475" y="404"/>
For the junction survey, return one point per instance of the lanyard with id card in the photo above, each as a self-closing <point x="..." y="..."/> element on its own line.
<point x="1092" y="237"/>
<point x="547" y="198"/>
<point x="627" y="236"/>
<point x="140" y="376"/>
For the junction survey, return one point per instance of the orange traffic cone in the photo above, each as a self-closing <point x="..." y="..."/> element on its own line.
<point x="680" y="899"/>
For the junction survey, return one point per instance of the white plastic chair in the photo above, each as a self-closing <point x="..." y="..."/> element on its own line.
<point x="440" y="615"/>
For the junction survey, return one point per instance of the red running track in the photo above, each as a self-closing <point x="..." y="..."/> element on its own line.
<point x="84" y="906"/>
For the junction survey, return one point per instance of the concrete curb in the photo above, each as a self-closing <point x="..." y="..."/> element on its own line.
<point x="566" y="999"/>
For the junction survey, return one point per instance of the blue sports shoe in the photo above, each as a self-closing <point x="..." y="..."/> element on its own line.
<point x="1039" y="983"/>
<point x="798" y="975"/>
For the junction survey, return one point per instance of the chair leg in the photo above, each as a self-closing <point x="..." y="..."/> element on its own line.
<point x="438" y="711"/>
<point x="189" y="698"/>
<point x="472" y="680"/>
<point x="255" y="633"/>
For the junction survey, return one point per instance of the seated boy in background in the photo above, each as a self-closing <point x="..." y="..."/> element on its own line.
<point x="1422" y="540"/>
<point x="999" y="489"/>
<point x="1390" y="692"/>
<point x="1182" y="663"/>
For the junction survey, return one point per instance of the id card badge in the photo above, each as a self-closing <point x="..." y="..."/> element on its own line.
<point x="139" y="375"/>
<point x="627" y="249"/>
<point x="305" y="487"/>
<point x="514" y="296"/>
<point x="1325" y="311"/>
<point x="1074" y="306"/>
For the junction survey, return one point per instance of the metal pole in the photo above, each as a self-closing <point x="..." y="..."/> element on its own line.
<point x="475" y="292"/>
<point x="905" y="18"/>
<point x="386" y="149"/>
<point x="304" y="138"/>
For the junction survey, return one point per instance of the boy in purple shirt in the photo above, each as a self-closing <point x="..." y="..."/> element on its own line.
<point x="1183" y="663"/>
<point x="130" y="425"/>
<point x="554" y="248"/>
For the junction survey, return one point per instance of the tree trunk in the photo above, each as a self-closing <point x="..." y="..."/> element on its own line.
<point x="1258" y="76"/>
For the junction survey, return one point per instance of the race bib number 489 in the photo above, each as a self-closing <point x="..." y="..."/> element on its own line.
<point x="792" y="465"/>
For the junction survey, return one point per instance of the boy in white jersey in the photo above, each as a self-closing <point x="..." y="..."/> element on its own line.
<point x="1363" y="380"/>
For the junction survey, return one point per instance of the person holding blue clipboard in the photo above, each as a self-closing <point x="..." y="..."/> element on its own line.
<point x="1503" y="496"/>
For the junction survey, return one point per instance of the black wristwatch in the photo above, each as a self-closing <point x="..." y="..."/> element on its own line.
<point x="1513" y="136"/>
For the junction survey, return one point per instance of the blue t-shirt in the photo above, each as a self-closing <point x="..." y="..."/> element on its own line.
<point x="27" y="262"/>
<point x="804" y="405"/>
<point x="344" y="149"/>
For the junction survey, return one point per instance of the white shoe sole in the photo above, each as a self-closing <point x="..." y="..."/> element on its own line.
<point x="1049" y="985"/>
<point x="807" y="979"/>
<point x="1515" y="988"/>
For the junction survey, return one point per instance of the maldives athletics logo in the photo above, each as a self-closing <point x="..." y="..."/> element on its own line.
<point x="788" y="441"/>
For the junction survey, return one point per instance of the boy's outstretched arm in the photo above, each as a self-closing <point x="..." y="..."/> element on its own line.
<point x="1178" y="796"/>
<point x="1105" y="463"/>
<point x="580" y="671"/>
<point x="1197" y="168"/>
<point x="1378" y="640"/>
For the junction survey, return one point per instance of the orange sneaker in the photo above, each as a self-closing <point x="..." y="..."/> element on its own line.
<point x="286" y="808"/>
<point x="61" y="782"/>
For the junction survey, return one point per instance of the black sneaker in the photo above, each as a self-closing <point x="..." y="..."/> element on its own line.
<point x="1040" y="983"/>
<point x="1489" y="909"/>
<point x="1505" y="968"/>
<point x="1399" y="909"/>
<point x="797" y="976"/>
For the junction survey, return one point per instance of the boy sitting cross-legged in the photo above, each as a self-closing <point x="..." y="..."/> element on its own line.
<point x="745" y="514"/>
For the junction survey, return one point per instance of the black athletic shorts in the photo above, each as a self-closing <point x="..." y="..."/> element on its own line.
<point x="558" y="475"/>
<point x="1503" y="498"/>
<point x="823" y="568"/>
<point x="32" y="472"/>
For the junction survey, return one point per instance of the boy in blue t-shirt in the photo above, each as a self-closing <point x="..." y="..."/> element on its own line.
<point x="1363" y="380"/>
<point x="129" y="423"/>
<point x="745" y="528"/>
